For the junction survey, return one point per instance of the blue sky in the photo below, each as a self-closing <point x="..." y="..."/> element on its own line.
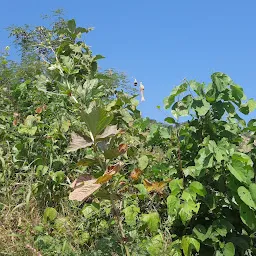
<point x="158" y="42"/>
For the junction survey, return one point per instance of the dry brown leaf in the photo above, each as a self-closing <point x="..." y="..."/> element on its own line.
<point x="78" y="142"/>
<point x="109" y="131"/>
<point x="122" y="148"/>
<point x="39" y="110"/>
<point x="135" y="174"/>
<point x="83" y="187"/>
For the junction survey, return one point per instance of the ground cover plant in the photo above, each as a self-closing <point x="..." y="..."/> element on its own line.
<point x="82" y="173"/>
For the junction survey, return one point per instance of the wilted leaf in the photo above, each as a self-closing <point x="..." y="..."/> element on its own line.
<point x="135" y="174"/>
<point x="39" y="110"/>
<point x="122" y="148"/>
<point x="83" y="186"/>
<point x="104" y="178"/>
<point x="109" y="131"/>
<point x="109" y="173"/>
<point x="155" y="186"/>
<point x="78" y="142"/>
<point x="87" y="162"/>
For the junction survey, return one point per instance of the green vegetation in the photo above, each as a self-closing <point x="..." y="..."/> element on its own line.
<point x="81" y="173"/>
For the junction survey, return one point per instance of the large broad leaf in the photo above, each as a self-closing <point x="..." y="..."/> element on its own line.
<point x="246" y="197"/>
<point x="198" y="188"/>
<point x="50" y="214"/>
<point x="131" y="213"/>
<point x="201" y="232"/>
<point x="143" y="162"/>
<point x="252" y="189"/>
<point x="168" y="101"/>
<point x="248" y="107"/>
<point x="187" y="211"/>
<point x="109" y="131"/>
<point x="155" y="245"/>
<point x="72" y="25"/>
<point x="220" y="81"/>
<point x="97" y="120"/>
<point x="151" y="220"/>
<point x="78" y="142"/>
<point x="173" y="205"/>
<point x="229" y="249"/>
<point x="176" y="186"/>
<point x="241" y="167"/>
<point x="248" y="216"/>
<point x="188" y="244"/>
<point x="83" y="186"/>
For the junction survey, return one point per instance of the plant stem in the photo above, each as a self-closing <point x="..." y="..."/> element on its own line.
<point x="116" y="211"/>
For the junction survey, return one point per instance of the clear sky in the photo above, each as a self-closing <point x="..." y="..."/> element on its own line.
<point x="158" y="42"/>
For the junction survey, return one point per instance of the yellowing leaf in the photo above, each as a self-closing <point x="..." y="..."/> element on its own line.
<point x="155" y="186"/>
<point x="103" y="179"/>
<point x="83" y="186"/>
<point x="109" y="173"/>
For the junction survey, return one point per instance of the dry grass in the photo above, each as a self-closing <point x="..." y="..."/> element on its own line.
<point x="16" y="230"/>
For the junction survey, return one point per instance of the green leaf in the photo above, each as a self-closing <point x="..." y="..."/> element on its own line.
<point x="90" y="209"/>
<point x="201" y="232"/>
<point x="198" y="188"/>
<point x="126" y="115"/>
<point x="97" y="120"/>
<point x="170" y="120"/>
<point x="143" y="162"/>
<point x="173" y="205"/>
<point x="246" y="197"/>
<point x="220" y="81"/>
<point x="151" y="220"/>
<point x="229" y="249"/>
<point x="131" y="213"/>
<point x="72" y="25"/>
<point x="50" y="214"/>
<point x="164" y="133"/>
<point x="241" y="167"/>
<point x="248" y="216"/>
<point x="168" y="101"/>
<point x="155" y="245"/>
<point x="187" y="209"/>
<point x="58" y="176"/>
<point x="248" y="107"/>
<point x="252" y="189"/>
<point x="175" y="186"/>
<point x="188" y="244"/>
<point x="201" y="106"/>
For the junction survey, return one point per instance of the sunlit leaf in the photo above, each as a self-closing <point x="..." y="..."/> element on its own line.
<point x="78" y="142"/>
<point x="155" y="186"/>
<point x="83" y="187"/>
